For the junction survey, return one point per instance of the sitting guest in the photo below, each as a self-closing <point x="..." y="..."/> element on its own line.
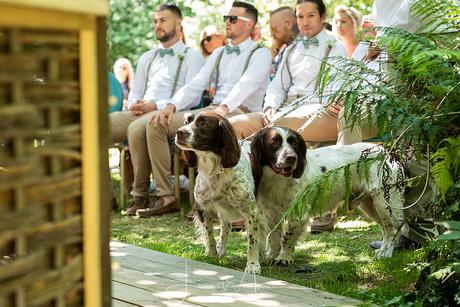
<point x="210" y="40"/>
<point x="346" y="27"/>
<point x="256" y="33"/>
<point x="298" y="76"/>
<point x="284" y="30"/>
<point x="241" y="79"/>
<point x="123" y="71"/>
<point x="160" y="73"/>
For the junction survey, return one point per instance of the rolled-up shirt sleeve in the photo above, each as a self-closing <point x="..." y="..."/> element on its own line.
<point x="255" y="76"/>
<point x="191" y="92"/>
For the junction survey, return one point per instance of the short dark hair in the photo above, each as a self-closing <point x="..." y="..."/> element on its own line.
<point x="170" y="7"/>
<point x="248" y="9"/>
<point x="319" y="4"/>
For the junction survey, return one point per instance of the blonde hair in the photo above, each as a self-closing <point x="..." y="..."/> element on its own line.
<point x="354" y="15"/>
<point x="130" y="76"/>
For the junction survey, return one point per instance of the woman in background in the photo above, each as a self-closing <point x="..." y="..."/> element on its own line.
<point x="210" y="40"/>
<point x="124" y="73"/>
<point x="347" y="21"/>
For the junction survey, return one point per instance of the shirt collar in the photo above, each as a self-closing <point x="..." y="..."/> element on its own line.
<point x="321" y="36"/>
<point x="248" y="43"/>
<point x="179" y="46"/>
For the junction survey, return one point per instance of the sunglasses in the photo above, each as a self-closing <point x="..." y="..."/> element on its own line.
<point x="234" y="19"/>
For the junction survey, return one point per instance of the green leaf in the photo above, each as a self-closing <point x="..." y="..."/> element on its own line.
<point x="440" y="274"/>
<point x="450" y="235"/>
<point x="450" y="224"/>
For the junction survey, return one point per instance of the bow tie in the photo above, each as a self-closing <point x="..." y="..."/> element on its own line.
<point x="168" y="51"/>
<point x="307" y="42"/>
<point x="231" y="49"/>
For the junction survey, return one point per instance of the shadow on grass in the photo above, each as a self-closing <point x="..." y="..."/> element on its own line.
<point x="339" y="262"/>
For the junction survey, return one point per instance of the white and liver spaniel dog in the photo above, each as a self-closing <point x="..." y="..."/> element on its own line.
<point x="282" y="166"/>
<point x="224" y="184"/>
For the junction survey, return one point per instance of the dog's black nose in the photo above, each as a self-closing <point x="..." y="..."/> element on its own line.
<point x="291" y="159"/>
<point x="182" y="134"/>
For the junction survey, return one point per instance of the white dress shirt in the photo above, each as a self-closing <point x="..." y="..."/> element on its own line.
<point x="304" y="66"/>
<point x="397" y="14"/>
<point x="234" y="88"/>
<point x="156" y="84"/>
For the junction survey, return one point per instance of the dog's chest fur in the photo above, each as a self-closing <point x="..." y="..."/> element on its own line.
<point x="275" y="189"/>
<point x="224" y="189"/>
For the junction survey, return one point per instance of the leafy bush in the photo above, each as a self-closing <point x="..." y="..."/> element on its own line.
<point x="416" y="104"/>
<point x="130" y="28"/>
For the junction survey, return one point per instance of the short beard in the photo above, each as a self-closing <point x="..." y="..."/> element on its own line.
<point x="167" y="36"/>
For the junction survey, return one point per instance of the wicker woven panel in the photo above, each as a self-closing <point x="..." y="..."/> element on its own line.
<point x="40" y="169"/>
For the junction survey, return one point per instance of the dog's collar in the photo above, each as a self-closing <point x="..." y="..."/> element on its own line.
<point x="223" y="170"/>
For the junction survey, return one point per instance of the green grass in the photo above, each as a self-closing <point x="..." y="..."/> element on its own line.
<point x="339" y="262"/>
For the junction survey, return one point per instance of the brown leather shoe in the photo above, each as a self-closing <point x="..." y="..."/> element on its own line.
<point x="159" y="208"/>
<point x="136" y="204"/>
<point x="324" y="223"/>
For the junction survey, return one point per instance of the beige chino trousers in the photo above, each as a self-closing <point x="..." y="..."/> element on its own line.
<point x="349" y="135"/>
<point x="126" y="126"/>
<point x="322" y="128"/>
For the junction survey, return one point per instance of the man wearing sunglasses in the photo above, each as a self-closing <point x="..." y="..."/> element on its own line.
<point x="240" y="71"/>
<point x="298" y="76"/>
<point x="160" y="72"/>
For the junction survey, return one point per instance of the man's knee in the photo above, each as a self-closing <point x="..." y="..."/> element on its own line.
<point x="135" y="130"/>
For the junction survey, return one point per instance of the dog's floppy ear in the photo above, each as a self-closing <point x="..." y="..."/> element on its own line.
<point x="190" y="158"/>
<point x="188" y="118"/>
<point x="301" y="157"/>
<point x="257" y="158"/>
<point x="230" y="149"/>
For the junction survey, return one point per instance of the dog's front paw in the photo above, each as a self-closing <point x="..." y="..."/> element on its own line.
<point x="283" y="260"/>
<point x="212" y="253"/>
<point x="252" y="268"/>
<point x="269" y="258"/>
<point x="220" y="250"/>
<point x="386" y="251"/>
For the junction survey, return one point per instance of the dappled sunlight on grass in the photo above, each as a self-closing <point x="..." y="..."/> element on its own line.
<point x="339" y="262"/>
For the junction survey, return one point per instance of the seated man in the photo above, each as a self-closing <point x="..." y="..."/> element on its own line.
<point x="284" y="30"/>
<point x="240" y="71"/>
<point x="297" y="76"/>
<point x="160" y="73"/>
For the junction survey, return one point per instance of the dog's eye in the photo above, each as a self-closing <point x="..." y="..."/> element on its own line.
<point x="294" y="143"/>
<point x="203" y="124"/>
<point x="276" y="142"/>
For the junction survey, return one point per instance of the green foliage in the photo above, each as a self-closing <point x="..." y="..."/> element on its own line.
<point x="416" y="105"/>
<point x="339" y="262"/>
<point x="445" y="163"/>
<point x="313" y="196"/>
<point x="130" y="28"/>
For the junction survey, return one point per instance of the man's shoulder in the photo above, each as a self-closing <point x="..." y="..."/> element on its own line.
<point x="192" y="52"/>
<point x="261" y="50"/>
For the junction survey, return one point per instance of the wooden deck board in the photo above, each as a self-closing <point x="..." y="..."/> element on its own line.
<point x="142" y="277"/>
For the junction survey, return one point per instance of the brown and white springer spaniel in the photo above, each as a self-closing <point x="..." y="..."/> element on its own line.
<point x="224" y="184"/>
<point x="282" y="167"/>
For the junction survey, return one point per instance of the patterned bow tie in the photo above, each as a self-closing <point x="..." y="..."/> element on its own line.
<point x="167" y="51"/>
<point x="231" y="49"/>
<point x="307" y="42"/>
